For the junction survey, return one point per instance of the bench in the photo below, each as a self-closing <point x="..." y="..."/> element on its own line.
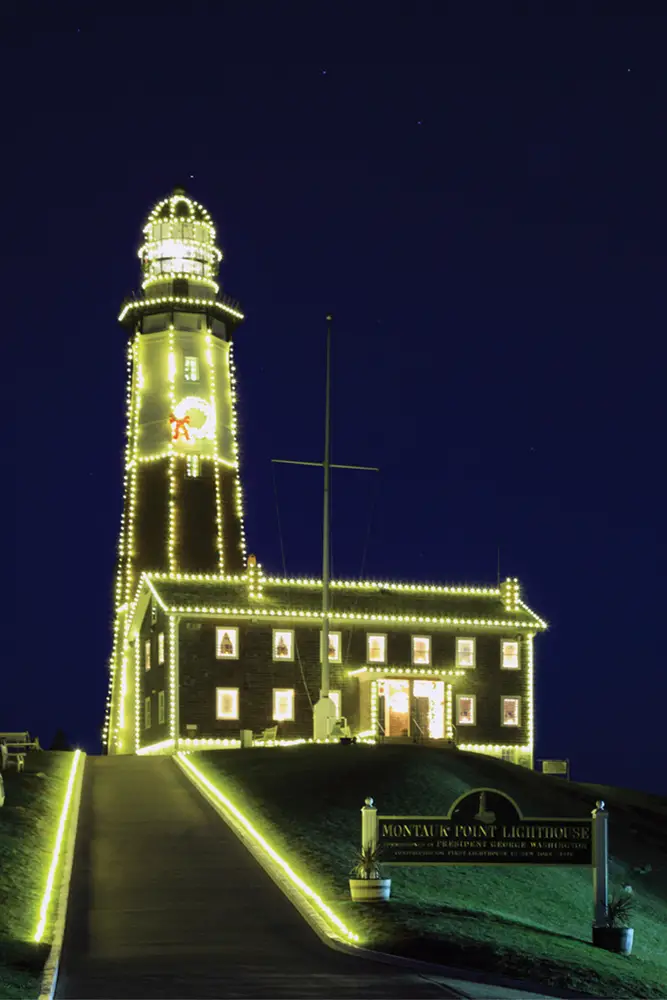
<point x="19" y="740"/>
<point x="16" y="760"/>
<point x="269" y="734"/>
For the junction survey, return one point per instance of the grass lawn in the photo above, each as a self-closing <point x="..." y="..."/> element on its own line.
<point x="28" y="825"/>
<point x="521" y="921"/>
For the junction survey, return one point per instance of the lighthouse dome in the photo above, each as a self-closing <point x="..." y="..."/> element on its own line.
<point x="179" y="242"/>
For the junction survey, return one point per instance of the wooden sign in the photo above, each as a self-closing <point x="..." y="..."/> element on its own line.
<point x="561" y="767"/>
<point x="484" y="826"/>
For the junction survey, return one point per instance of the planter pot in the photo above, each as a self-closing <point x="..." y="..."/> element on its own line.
<point x="618" y="939"/>
<point x="370" y="890"/>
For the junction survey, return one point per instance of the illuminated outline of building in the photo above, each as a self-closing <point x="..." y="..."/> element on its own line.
<point x="205" y="644"/>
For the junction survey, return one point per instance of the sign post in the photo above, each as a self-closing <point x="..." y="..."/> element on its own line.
<point x="369" y="826"/>
<point x="600" y="871"/>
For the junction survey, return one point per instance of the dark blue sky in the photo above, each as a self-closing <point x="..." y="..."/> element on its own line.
<point x="478" y="192"/>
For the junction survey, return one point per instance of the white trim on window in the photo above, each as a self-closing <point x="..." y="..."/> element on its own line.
<point x="160" y="648"/>
<point x="509" y="654"/>
<point x="335" y="640"/>
<point x="147" y="712"/>
<point x="283" y="704"/>
<point x="466" y="652"/>
<point x="469" y="708"/>
<point x="421" y="656"/>
<point x="147" y="654"/>
<point x="160" y="707"/>
<point x="376" y="647"/>
<point x="226" y="703"/>
<point x="226" y="642"/>
<point x="507" y="710"/>
<point x="282" y="644"/>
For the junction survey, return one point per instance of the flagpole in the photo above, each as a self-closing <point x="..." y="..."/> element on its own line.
<point x="324" y="646"/>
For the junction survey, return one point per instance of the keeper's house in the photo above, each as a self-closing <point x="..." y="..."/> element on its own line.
<point x="408" y="661"/>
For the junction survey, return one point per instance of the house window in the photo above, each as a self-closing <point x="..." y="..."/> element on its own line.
<point x="283" y="705"/>
<point x="511" y="710"/>
<point x="421" y="649"/>
<point x="226" y="643"/>
<point x="510" y="660"/>
<point x="376" y="648"/>
<point x="160" y="647"/>
<point x="335" y="697"/>
<point x="192" y="466"/>
<point x="160" y="707"/>
<point x="465" y="709"/>
<point x="335" y="647"/>
<point x="226" y="703"/>
<point x="147" y="713"/>
<point x="283" y="644"/>
<point x="465" y="652"/>
<point x="147" y="654"/>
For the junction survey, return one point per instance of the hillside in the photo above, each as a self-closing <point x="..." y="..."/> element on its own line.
<point x="521" y="921"/>
<point x="28" y="823"/>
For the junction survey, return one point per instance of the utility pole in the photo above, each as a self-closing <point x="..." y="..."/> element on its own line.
<point x="324" y="710"/>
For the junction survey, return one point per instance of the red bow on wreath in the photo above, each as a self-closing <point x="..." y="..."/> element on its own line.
<point x="179" y="425"/>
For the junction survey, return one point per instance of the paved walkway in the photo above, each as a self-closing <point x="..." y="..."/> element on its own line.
<point x="166" y="902"/>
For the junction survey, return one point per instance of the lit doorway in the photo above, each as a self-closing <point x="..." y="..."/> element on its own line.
<point x="429" y="709"/>
<point x="397" y="708"/>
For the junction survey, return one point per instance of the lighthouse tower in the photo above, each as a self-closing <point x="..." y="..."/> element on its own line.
<point x="182" y="505"/>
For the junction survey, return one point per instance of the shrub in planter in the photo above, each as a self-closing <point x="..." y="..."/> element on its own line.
<point x="617" y="935"/>
<point x="366" y="882"/>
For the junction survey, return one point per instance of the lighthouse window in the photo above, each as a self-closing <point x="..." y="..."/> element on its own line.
<point x="283" y="644"/>
<point x="147" y="712"/>
<point x="510" y="655"/>
<point x="465" y="652"/>
<point x="511" y="711"/>
<point x="191" y="370"/>
<point x="465" y="709"/>
<point x="160" y="707"/>
<point x="226" y="643"/>
<point x="226" y="703"/>
<point x="376" y="648"/>
<point x="283" y="705"/>
<point x="147" y="654"/>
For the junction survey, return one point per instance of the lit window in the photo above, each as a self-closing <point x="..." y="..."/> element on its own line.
<point x="192" y="466"/>
<point x="160" y="647"/>
<point x="465" y="652"/>
<point x="421" y="649"/>
<point x="226" y="643"/>
<point x="147" y="712"/>
<point x="147" y="654"/>
<point x="191" y="370"/>
<point x="510" y="711"/>
<point x="335" y="647"/>
<point x="510" y="655"/>
<point x="335" y="697"/>
<point x="376" y="648"/>
<point x="465" y="709"/>
<point x="283" y="644"/>
<point x="283" y="705"/>
<point x="160" y="707"/>
<point x="226" y="703"/>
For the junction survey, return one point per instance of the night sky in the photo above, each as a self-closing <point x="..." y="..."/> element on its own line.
<point x="478" y="192"/>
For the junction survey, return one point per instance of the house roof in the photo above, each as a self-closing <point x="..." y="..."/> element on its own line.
<point x="350" y="601"/>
